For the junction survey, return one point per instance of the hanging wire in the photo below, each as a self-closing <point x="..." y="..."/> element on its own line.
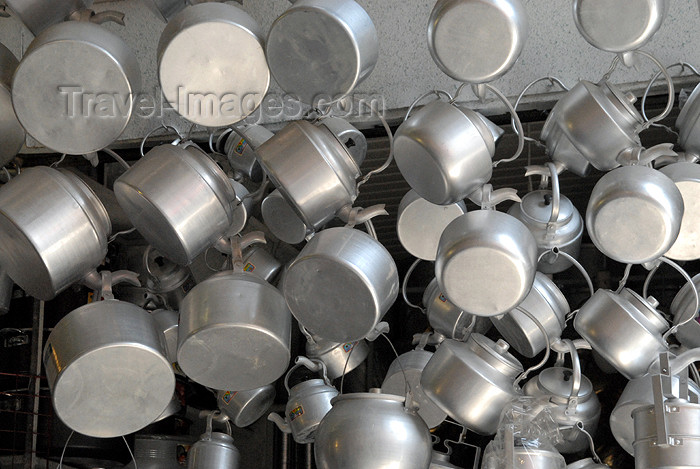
<point x="60" y="461"/>
<point x="552" y="80"/>
<point x="342" y="379"/>
<point x="56" y="163"/>
<point x="687" y="278"/>
<point x="131" y="453"/>
<point x="539" y="325"/>
<point x="647" y="281"/>
<point x="683" y="66"/>
<point x="119" y="233"/>
<point x="409" y="391"/>
<point x="118" y="158"/>
<point x="389" y="135"/>
<point x="405" y="283"/>
<point x="163" y="127"/>
<point x="7" y="173"/>
<point x="437" y="93"/>
<point x="696" y="374"/>
<point x="671" y="91"/>
<point x="576" y="263"/>
<point x="625" y="277"/>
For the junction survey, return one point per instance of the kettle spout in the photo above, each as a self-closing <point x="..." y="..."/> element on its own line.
<point x="280" y="422"/>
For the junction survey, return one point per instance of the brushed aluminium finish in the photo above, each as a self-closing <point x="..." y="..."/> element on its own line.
<point x="412" y="364"/>
<point x="281" y="219"/>
<point x="444" y="152"/>
<point x="12" y="133"/>
<point x="624" y="329"/>
<point x="167" y="321"/>
<point x="244" y="408"/>
<point x="341" y="284"/>
<point x="441" y="461"/>
<point x="687" y="122"/>
<point x="365" y="430"/>
<point x="234" y="333"/>
<point x="309" y="402"/>
<point x="74" y="89"/>
<point x="634" y="214"/>
<point x="337" y="357"/>
<point x="586" y="463"/>
<point x="178" y="199"/>
<point x="322" y="49"/>
<point x="486" y="262"/>
<point x="447" y="319"/>
<point x="37" y="15"/>
<point x="213" y="450"/>
<point x="458" y="30"/>
<point x="201" y="77"/>
<point x="261" y="263"/>
<point x="615" y="26"/>
<point x="106" y="366"/>
<point x="686" y="176"/>
<point x="43" y="208"/>
<point x="548" y="305"/>
<point x="419" y="224"/>
<point x="682" y="307"/>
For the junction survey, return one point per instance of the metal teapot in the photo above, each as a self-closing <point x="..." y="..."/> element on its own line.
<point x="12" y="133"/>
<point x="214" y="449"/>
<point x="308" y="403"/>
<point x="447" y="319"/>
<point x="244" y="408"/>
<point x="339" y="358"/>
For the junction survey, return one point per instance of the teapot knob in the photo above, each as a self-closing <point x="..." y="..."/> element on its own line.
<point x="653" y="302"/>
<point x="502" y="347"/>
<point x="630" y="98"/>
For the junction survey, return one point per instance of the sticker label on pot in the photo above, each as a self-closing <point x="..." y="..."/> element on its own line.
<point x="349" y="346"/>
<point x="228" y="395"/>
<point x="443" y="298"/>
<point x="240" y="147"/>
<point x="248" y="267"/>
<point x="296" y="413"/>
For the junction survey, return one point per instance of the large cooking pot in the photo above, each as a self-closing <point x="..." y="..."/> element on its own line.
<point x="341" y="284"/>
<point x="282" y="219"/>
<point x="624" y="328"/>
<point x="234" y="333"/>
<point x="179" y="199"/>
<point x="365" y="430"/>
<point x="339" y="358"/>
<point x="244" y="408"/>
<point x="107" y="368"/>
<point x="553" y="221"/>
<point x="419" y="224"/>
<point x="445" y="151"/>
<point x="37" y="15"/>
<point x="615" y="26"/>
<point x="11" y="132"/>
<point x="322" y="49"/>
<point x="686" y="176"/>
<point x="478" y="370"/>
<point x="634" y="214"/>
<point x="547" y="304"/>
<point x="197" y="75"/>
<point x="167" y="324"/>
<point x="682" y="307"/>
<point x="447" y="319"/>
<point x="486" y="262"/>
<point x="458" y="29"/>
<point x="43" y="208"/>
<point x="75" y="87"/>
<point x="313" y="169"/>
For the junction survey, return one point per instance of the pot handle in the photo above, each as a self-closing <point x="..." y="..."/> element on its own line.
<point x="312" y="364"/>
<point x="420" y="98"/>
<point x="550" y="170"/>
<point x="102" y="282"/>
<point x="487" y="198"/>
<point x="576" y="382"/>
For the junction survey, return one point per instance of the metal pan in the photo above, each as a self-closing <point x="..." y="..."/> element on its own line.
<point x="11" y="131"/>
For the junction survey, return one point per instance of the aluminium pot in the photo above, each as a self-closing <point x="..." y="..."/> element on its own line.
<point x="244" y="408"/>
<point x="107" y="369"/>
<point x="12" y="133"/>
<point x="341" y="284"/>
<point x="686" y="177"/>
<point x="322" y="49"/>
<point x="213" y="450"/>
<point x="687" y="123"/>
<point x="365" y="430"/>
<point x="478" y="370"/>
<point x="43" y="208"/>
<point x="441" y="461"/>
<point x="337" y="356"/>
<point x="196" y="72"/>
<point x="458" y="29"/>
<point x="587" y="463"/>
<point x="179" y="199"/>
<point x="615" y="26"/>
<point x="37" y="15"/>
<point x="312" y="169"/>
<point x="282" y="219"/>
<point x="159" y="451"/>
<point x="634" y="214"/>
<point x="447" y="319"/>
<point x="258" y="261"/>
<point x="486" y="262"/>
<point x="624" y="328"/>
<point x="445" y="151"/>
<point x="234" y="332"/>
<point x="548" y="305"/>
<point x="167" y="323"/>
<point x="75" y="88"/>
<point x="682" y="307"/>
<point x="167" y="281"/>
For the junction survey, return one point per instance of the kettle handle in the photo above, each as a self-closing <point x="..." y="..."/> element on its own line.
<point x="312" y="364"/>
<point x="576" y="382"/>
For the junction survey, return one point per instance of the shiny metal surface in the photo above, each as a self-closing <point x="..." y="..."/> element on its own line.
<point x="462" y="374"/>
<point x="615" y="26"/>
<point x="351" y="138"/>
<point x="179" y="200"/>
<point x="197" y="75"/>
<point x="683" y="427"/>
<point x="526" y="458"/>
<point x="308" y="404"/>
<point x="174" y="406"/>
<point x="336" y="356"/>
<point x="682" y="307"/>
<point x="444" y="152"/>
<point x="242" y="208"/>
<point x="166" y="281"/>
<point x="166" y="9"/>
<point x="624" y="329"/>
<point x="43" y="208"/>
<point x="365" y="430"/>
<point x="244" y="408"/>
<point x="587" y="463"/>
<point x="6" y="287"/>
<point x="158" y="451"/>
<point x="241" y="154"/>
<point x="410" y="366"/>
<point x="213" y="450"/>
<point x="486" y="238"/>
<point x="548" y="305"/>
<point x="261" y="263"/>
<point x="312" y="169"/>
<point x="441" y="461"/>
<point x="12" y="133"/>
<point x="687" y="123"/>
<point x="447" y="319"/>
<point x="234" y="333"/>
<point x="686" y="176"/>
<point x="634" y="214"/>
<point x="166" y="322"/>
<point x="590" y="126"/>
<point x="37" y="15"/>
<point x="420" y="224"/>
<point x="75" y="87"/>
<point x="322" y="49"/>
<point x="341" y="284"/>
<point x="106" y="366"/>
<point x="638" y="393"/>
<point x="281" y="219"/>
<point x="457" y="30"/>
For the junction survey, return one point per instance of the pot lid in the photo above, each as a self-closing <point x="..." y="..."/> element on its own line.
<point x="537" y="207"/>
<point x="374" y="393"/>
<point x="557" y="382"/>
<point x="624" y="102"/>
<point x="645" y="306"/>
<point x="494" y="353"/>
<point x="218" y="438"/>
<point x="311" y="386"/>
